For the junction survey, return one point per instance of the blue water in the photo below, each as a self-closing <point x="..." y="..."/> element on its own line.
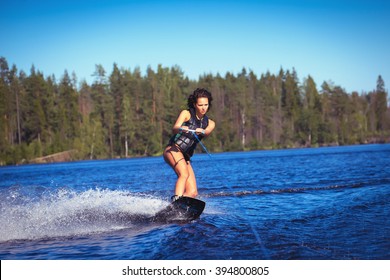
<point x="320" y="203"/>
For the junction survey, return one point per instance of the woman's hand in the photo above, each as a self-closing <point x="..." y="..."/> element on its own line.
<point x="184" y="128"/>
<point x="200" y="131"/>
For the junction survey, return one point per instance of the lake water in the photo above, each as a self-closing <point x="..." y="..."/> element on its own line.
<point x="320" y="203"/>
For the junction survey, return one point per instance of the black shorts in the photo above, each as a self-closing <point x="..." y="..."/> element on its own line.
<point x="176" y="148"/>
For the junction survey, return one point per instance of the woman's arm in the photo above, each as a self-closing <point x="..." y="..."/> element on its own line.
<point x="206" y="131"/>
<point x="183" y="117"/>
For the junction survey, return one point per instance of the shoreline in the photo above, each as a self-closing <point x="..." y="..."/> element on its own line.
<point x="70" y="155"/>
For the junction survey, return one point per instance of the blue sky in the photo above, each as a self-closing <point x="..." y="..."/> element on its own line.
<point x="346" y="42"/>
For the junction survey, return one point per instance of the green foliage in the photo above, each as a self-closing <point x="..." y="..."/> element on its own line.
<point x="125" y="114"/>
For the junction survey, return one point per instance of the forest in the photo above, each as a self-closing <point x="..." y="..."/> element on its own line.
<point x="126" y="113"/>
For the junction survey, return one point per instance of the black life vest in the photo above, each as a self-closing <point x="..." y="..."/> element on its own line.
<point x="186" y="141"/>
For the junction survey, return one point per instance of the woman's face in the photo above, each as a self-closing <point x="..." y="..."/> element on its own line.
<point x="201" y="106"/>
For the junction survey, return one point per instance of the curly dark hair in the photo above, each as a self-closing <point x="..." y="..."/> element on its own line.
<point x="198" y="93"/>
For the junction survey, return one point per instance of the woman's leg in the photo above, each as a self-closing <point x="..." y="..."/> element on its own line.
<point x="191" y="189"/>
<point x="174" y="157"/>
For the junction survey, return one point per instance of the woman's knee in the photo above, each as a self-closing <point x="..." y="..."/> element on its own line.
<point x="183" y="174"/>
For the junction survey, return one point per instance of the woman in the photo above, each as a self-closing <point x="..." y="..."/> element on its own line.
<point x="183" y="143"/>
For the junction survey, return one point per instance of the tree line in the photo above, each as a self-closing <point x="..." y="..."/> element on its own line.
<point x="126" y="113"/>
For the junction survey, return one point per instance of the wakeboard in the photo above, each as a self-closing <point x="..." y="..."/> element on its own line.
<point x="184" y="209"/>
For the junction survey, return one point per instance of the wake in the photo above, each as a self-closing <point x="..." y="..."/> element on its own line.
<point x="279" y="191"/>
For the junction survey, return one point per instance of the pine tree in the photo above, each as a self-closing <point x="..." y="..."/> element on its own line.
<point x="381" y="108"/>
<point x="309" y="120"/>
<point x="291" y="104"/>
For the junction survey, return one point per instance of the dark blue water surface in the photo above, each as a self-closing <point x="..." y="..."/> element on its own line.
<point x="321" y="203"/>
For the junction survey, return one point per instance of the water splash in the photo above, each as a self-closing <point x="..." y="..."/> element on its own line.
<point x="63" y="212"/>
